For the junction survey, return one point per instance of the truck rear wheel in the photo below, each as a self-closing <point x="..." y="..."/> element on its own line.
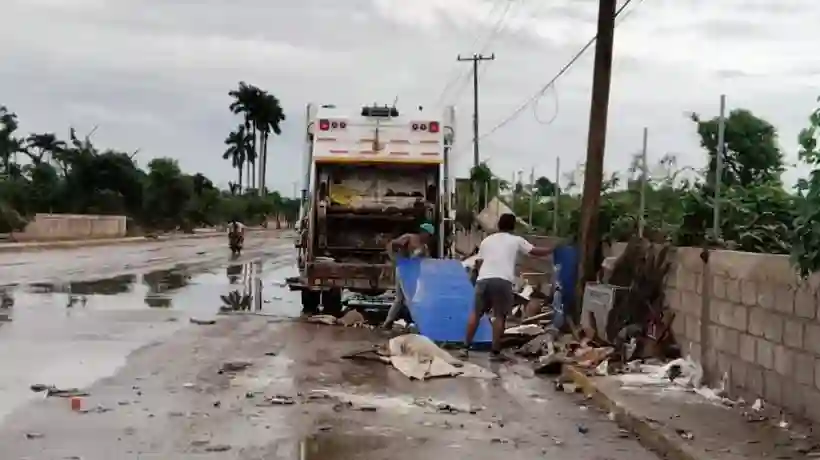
<point x="310" y="301"/>
<point x="332" y="302"/>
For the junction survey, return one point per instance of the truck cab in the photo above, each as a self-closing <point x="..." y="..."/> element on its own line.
<point x="373" y="175"/>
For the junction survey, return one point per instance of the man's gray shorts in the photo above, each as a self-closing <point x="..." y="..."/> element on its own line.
<point x="494" y="295"/>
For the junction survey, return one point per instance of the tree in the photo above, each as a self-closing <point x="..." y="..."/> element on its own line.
<point x="239" y="145"/>
<point x="544" y="187"/>
<point x="77" y="176"/>
<point x="269" y="117"/>
<point x="752" y="155"/>
<point x="40" y="145"/>
<point x="806" y="241"/>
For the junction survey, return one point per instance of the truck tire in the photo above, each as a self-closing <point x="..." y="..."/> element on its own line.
<point x="332" y="302"/>
<point x="310" y="301"/>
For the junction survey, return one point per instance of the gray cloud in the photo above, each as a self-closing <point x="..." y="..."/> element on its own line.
<point x="155" y="74"/>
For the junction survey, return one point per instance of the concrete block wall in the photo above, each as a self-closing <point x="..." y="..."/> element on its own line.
<point x="751" y="318"/>
<point x="55" y="227"/>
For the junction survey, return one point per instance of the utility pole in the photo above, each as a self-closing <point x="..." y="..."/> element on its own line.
<point x="721" y="148"/>
<point x="475" y="59"/>
<point x="532" y="196"/>
<point x="596" y="145"/>
<point x="556" y="196"/>
<point x="644" y="173"/>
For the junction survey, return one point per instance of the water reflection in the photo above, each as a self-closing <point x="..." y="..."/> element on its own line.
<point x="161" y="283"/>
<point x="6" y="304"/>
<point x="250" y="295"/>
<point x="105" y="286"/>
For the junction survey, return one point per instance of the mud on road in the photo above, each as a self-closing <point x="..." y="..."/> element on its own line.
<point x="157" y="389"/>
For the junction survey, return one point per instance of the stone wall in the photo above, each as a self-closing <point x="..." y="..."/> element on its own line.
<point x="55" y="227"/>
<point x="751" y="318"/>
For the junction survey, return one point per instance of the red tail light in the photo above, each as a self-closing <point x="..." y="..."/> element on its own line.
<point x="434" y="127"/>
<point x="324" y="125"/>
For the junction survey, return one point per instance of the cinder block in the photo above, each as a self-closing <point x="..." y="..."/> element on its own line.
<point x="731" y="339"/>
<point x="748" y="291"/>
<point x="757" y="321"/>
<point x="804" y="368"/>
<point x="691" y="303"/>
<point x="793" y="334"/>
<point x="733" y="291"/>
<point x="724" y="339"/>
<point x="737" y="377"/>
<point x="784" y="299"/>
<point x="724" y="366"/>
<point x="811" y="340"/>
<point x="805" y="302"/>
<point x="672" y="296"/>
<point x="679" y="325"/>
<point x="817" y="373"/>
<point x="783" y="361"/>
<point x="699" y="284"/>
<point x="739" y="317"/>
<point x="773" y="387"/>
<point x="765" y="295"/>
<point x="692" y="328"/>
<point x="754" y="380"/>
<point x="811" y="399"/>
<point x="747" y="345"/>
<point x="719" y="287"/>
<point x="773" y="328"/>
<point x="720" y="311"/>
<point x="792" y="397"/>
<point x="765" y="353"/>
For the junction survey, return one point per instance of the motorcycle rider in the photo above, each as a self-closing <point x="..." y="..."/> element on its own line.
<point x="236" y="229"/>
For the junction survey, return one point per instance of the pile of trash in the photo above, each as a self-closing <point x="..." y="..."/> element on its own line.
<point x="624" y="318"/>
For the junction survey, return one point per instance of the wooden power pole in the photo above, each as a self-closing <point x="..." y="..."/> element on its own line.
<point x="596" y="145"/>
<point x="475" y="59"/>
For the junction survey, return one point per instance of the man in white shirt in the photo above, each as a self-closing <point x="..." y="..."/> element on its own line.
<point x="497" y="256"/>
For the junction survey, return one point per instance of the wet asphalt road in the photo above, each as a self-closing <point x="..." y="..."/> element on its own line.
<point x="115" y="321"/>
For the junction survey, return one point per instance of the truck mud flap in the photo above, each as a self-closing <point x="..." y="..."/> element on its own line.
<point x="351" y="276"/>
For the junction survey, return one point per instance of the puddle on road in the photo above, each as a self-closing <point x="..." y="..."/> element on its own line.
<point x="72" y="334"/>
<point x="332" y="446"/>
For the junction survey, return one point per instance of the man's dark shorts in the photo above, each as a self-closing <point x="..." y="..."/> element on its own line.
<point x="494" y="295"/>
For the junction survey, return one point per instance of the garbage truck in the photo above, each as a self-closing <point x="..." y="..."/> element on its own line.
<point x="372" y="174"/>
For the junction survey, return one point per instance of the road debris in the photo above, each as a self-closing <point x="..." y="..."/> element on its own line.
<point x="52" y="390"/>
<point x="234" y="366"/>
<point x="277" y="400"/>
<point x="202" y="322"/>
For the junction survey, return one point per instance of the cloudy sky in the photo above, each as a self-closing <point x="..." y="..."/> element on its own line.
<point x="154" y="74"/>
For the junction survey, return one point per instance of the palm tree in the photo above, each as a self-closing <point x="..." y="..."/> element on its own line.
<point x="269" y="117"/>
<point x="239" y="145"/>
<point x="10" y="146"/>
<point x="246" y="99"/>
<point x="38" y="145"/>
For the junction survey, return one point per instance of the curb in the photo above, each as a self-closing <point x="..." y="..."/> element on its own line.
<point x="78" y="244"/>
<point x="652" y="436"/>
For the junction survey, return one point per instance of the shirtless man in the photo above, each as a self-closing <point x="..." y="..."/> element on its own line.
<point x="407" y="245"/>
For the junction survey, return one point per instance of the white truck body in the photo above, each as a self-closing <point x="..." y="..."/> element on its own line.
<point x="372" y="174"/>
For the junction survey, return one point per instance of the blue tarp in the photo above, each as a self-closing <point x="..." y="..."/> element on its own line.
<point x="567" y="258"/>
<point x="440" y="297"/>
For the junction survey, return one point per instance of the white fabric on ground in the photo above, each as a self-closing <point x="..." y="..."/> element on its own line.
<point x="419" y="358"/>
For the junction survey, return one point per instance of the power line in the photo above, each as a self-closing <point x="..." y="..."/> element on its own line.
<point x="463" y="78"/>
<point x="457" y="76"/>
<point x="494" y="33"/>
<point x="560" y="73"/>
